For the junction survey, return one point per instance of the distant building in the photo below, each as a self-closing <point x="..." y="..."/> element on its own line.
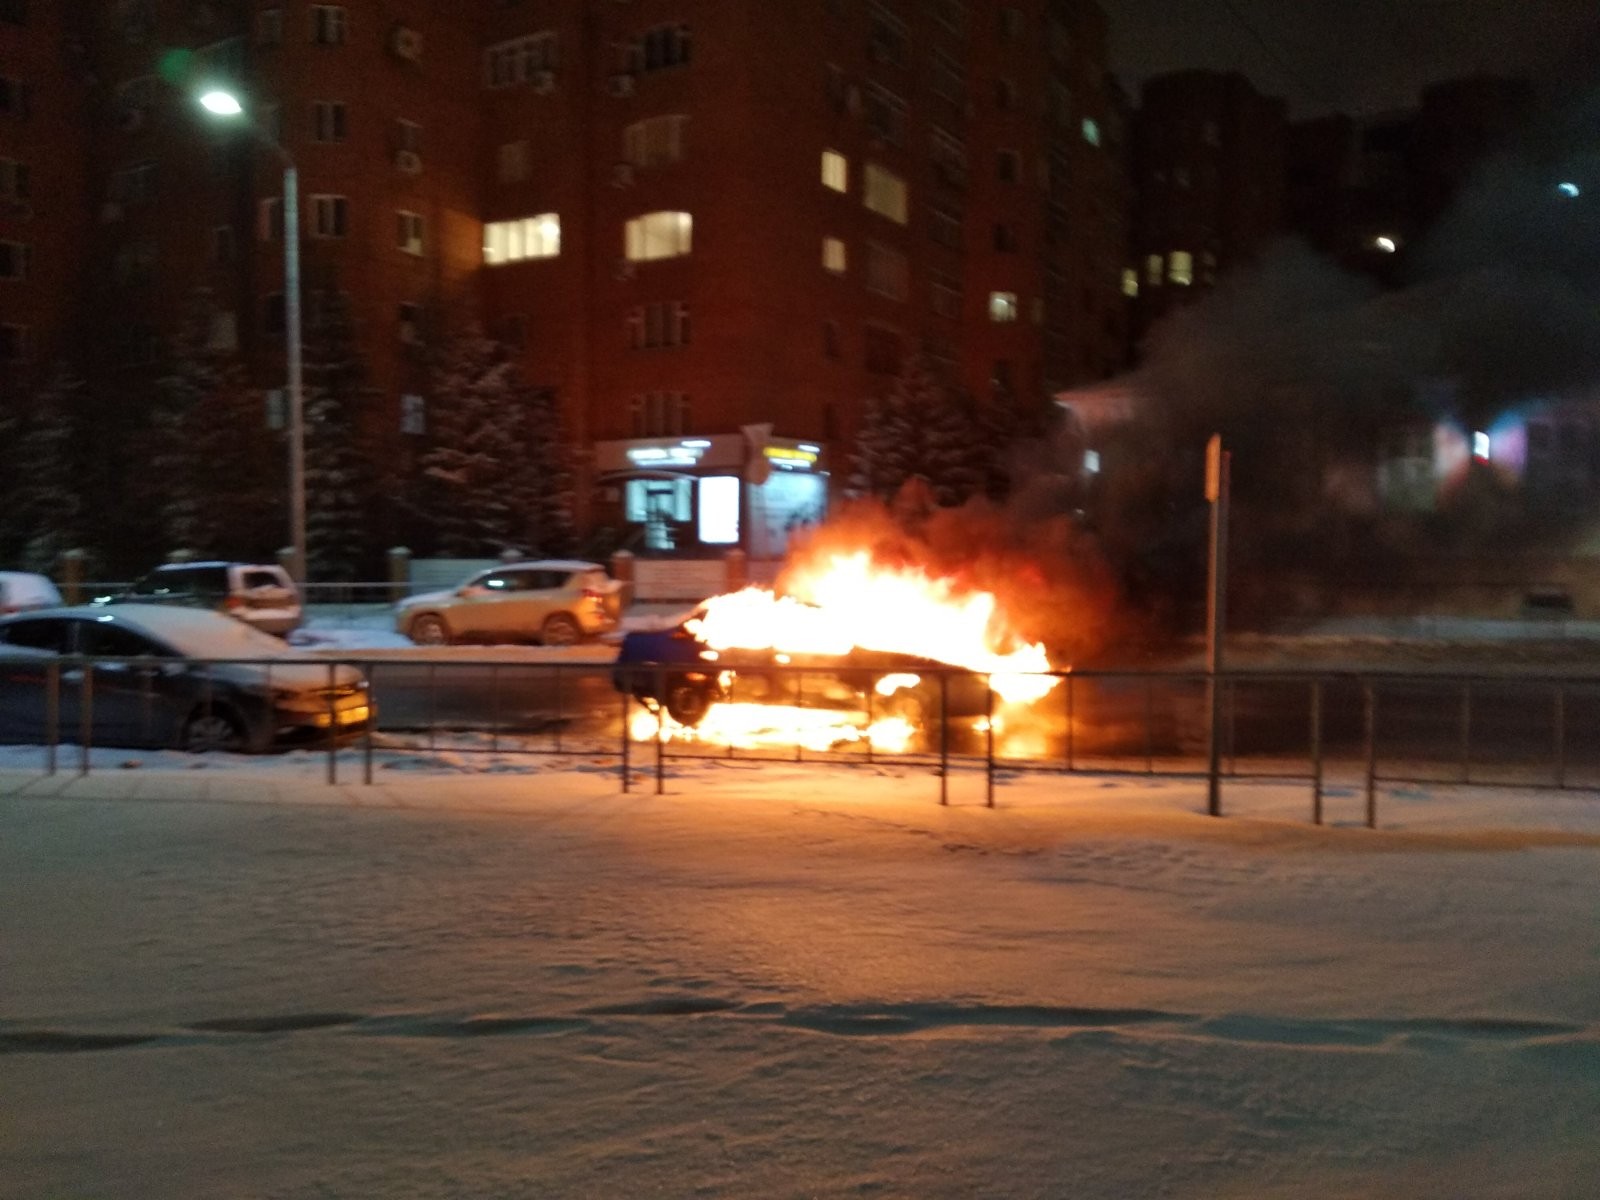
<point x="1208" y="172"/>
<point x="713" y="232"/>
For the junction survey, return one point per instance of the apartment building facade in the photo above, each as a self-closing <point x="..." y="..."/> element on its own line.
<point x="712" y="228"/>
<point x="1208" y="174"/>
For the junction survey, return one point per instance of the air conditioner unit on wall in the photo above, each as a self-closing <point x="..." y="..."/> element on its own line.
<point x="406" y="43"/>
<point x="622" y="85"/>
<point x="408" y="162"/>
<point x="622" y="175"/>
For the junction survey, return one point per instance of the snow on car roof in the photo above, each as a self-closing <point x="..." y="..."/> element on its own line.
<point x="558" y="564"/>
<point x="194" y="632"/>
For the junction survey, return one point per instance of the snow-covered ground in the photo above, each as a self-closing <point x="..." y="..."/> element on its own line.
<point x="487" y="977"/>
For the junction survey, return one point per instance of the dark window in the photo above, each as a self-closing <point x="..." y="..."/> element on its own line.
<point x="183" y="581"/>
<point x="272" y="316"/>
<point x="1005" y="238"/>
<point x="1008" y="166"/>
<point x="13" y="97"/>
<point x="830" y="339"/>
<point x="14" y="12"/>
<point x="882" y="350"/>
<point x="37" y="634"/>
<point x="101" y="640"/>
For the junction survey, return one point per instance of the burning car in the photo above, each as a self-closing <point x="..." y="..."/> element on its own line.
<point x="859" y="657"/>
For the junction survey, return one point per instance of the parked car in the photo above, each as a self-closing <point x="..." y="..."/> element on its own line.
<point x="556" y="601"/>
<point x="20" y="591"/>
<point x="261" y="595"/>
<point x="157" y="676"/>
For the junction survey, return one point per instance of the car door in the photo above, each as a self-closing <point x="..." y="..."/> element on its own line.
<point x="133" y="694"/>
<point x="499" y="613"/>
<point x="31" y="649"/>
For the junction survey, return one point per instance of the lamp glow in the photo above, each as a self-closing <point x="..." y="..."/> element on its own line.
<point x="223" y="104"/>
<point x="1387" y="244"/>
<point x="1569" y="189"/>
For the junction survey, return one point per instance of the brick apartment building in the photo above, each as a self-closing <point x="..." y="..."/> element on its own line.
<point x="1208" y="174"/>
<point x="713" y="227"/>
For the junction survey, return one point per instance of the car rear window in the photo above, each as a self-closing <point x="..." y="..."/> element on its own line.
<point x="260" y="579"/>
<point x="196" y="581"/>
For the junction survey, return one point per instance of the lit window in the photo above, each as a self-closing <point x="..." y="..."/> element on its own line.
<point x="884" y="193"/>
<point x="330" y="24"/>
<point x="1154" y="266"/>
<point x="330" y="216"/>
<point x="512" y="162"/>
<point x="1091" y="131"/>
<point x="658" y="235"/>
<point x="1180" y="268"/>
<point x="834" y="257"/>
<point x="1130" y="282"/>
<point x="1002" y="306"/>
<point x="408" y="232"/>
<point x="719" y="510"/>
<point x="835" y="171"/>
<point x="527" y="237"/>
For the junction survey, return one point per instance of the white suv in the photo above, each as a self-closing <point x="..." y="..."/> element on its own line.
<point x="259" y="594"/>
<point x="556" y="602"/>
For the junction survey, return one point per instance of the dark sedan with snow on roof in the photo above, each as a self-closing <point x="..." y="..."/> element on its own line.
<point x="152" y="676"/>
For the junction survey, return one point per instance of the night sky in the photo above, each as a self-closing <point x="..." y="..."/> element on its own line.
<point x="1358" y="56"/>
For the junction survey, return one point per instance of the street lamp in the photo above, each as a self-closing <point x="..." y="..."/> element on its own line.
<point x="225" y="104"/>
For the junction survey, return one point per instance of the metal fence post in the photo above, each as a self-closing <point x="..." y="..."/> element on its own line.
<point x="333" y="725"/>
<point x="944" y="736"/>
<point x="52" y="715"/>
<point x="367" y="671"/>
<point x="1072" y="722"/>
<point x="1370" y="715"/>
<point x="1149" y="719"/>
<point x="627" y="709"/>
<point x="1561" y="736"/>
<point x="988" y="722"/>
<point x="871" y="689"/>
<point x="494" y="708"/>
<point x="1316" y="752"/>
<point x="561" y="703"/>
<point x="661" y="732"/>
<point x="86" y="715"/>
<point x="433" y="705"/>
<point x="1466" y="732"/>
<point x="800" y="703"/>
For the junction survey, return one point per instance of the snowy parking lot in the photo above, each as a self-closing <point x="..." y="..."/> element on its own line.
<point x="492" y="978"/>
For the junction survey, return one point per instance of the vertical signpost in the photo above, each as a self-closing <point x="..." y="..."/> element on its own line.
<point x="1217" y="462"/>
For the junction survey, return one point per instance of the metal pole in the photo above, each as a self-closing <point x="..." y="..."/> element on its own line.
<point x="372" y="719"/>
<point x="1072" y="722"/>
<point x="627" y="708"/>
<point x="988" y="708"/>
<point x="561" y="708"/>
<point x="291" y="331"/>
<point x="1561" y="736"/>
<point x="1370" y="706"/>
<point x="871" y="688"/>
<point x="1217" y="470"/>
<point x="661" y="733"/>
<point x="1466" y="732"/>
<point x="85" y="716"/>
<point x="800" y="703"/>
<point x="1316" y="752"/>
<point x="494" y="708"/>
<point x="1149" y="717"/>
<point x="433" y="705"/>
<point x="333" y="727"/>
<point x="944" y="737"/>
<point x="52" y="715"/>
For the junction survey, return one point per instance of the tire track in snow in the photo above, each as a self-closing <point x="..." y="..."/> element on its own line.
<point x="841" y="1020"/>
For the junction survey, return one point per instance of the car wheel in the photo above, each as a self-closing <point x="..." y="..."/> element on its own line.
<point x="560" y="630"/>
<point x="212" y="728"/>
<point x="430" y="631"/>
<point x="688" y="702"/>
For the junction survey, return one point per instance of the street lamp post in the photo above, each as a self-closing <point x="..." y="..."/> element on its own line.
<point x="225" y="104"/>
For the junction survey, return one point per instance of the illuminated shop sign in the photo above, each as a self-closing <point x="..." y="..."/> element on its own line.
<point x="796" y="458"/>
<point x="683" y="454"/>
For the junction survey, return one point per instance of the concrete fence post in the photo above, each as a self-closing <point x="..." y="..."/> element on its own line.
<point x="72" y="576"/>
<point x="399" y="560"/>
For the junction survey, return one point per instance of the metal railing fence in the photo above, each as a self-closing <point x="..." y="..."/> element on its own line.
<point x="1368" y="729"/>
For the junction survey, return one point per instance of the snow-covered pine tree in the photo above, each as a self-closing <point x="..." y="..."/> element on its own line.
<point x="217" y="482"/>
<point x="888" y="438"/>
<point x="46" y="512"/>
<point x="958" y="455"/>
<point x="550" y="529"/>
<point x="338" y="471"/>
<point x="476" y="469"/>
